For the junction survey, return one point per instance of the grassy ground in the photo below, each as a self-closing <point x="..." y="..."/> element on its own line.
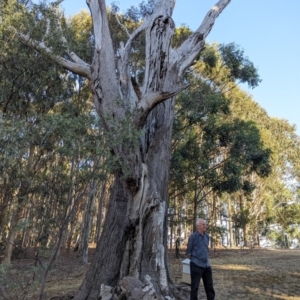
<point x="257" y="274"/>
<point x="238" y="274"/>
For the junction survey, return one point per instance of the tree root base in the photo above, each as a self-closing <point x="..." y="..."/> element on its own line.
<point x="131" y="288"/>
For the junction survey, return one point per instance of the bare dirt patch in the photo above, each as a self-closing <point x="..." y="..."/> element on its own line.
<point x="258" y="274"/>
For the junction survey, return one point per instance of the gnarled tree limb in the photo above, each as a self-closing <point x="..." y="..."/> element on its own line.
<point x="192" y="46"/>
<point x="150" y="100"/>
<point x="56" y="3"/>
<point x="79" y="67"/>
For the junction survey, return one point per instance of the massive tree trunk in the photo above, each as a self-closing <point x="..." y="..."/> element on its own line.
<point x="134" y="238"/>
<point x="133" y="242"/>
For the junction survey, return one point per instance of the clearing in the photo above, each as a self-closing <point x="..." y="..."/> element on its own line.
<point x="258" y="274"/>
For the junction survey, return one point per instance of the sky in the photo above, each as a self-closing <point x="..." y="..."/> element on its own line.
<point x="267" y="30"/>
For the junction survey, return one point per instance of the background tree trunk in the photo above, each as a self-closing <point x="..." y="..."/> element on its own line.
<point x="16" y="218"/>
<point x="100" y="211"/>
<point x="87" y="222"/>
<point x="231" y="235"/>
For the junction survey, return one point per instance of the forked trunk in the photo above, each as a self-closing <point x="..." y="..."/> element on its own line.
<point x="133" y="241"/>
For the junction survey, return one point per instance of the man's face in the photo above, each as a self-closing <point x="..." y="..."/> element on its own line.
<point x="201" y="226"/>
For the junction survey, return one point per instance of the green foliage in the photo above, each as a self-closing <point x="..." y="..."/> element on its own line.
<point x="29" y="83"/>
<point x="210" y="145"/>
<point x="218" y="149"/>
<point x="241" y="218"/>
<point x="122" y="132"/>
<point x="51" y="148"/>
<point x="240" y="67"/>
<point x="288" y="215"/>
<point x="225" y="66"/>
<point x="137" y="13"/>
<point x="78" y="30"/>
<point x="209" y="57"/>
<point x="181" y="34"/>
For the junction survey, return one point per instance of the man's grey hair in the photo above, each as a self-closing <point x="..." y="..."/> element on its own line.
<point x="199" y="220"/>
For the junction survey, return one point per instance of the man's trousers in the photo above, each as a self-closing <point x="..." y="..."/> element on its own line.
<point x="206" y="274"/>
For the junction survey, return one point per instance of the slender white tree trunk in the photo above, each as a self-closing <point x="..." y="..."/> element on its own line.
<point x="87" y="222"/>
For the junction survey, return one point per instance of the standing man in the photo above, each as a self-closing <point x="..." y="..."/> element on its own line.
<point x="197" y="252"/>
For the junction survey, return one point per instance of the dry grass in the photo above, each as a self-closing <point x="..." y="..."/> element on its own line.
<point x="258" y="274"/>
<point x="22" y="280"/>
<point x="238" y="274"/>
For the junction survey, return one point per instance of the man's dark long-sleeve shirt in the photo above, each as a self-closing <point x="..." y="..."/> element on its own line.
<point x="197" y="249"/>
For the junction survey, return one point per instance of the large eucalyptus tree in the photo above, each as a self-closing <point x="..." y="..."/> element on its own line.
<point x="133" y="241"/>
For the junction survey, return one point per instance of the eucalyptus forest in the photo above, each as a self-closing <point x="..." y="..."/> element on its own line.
<point x="120" y="130"/>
